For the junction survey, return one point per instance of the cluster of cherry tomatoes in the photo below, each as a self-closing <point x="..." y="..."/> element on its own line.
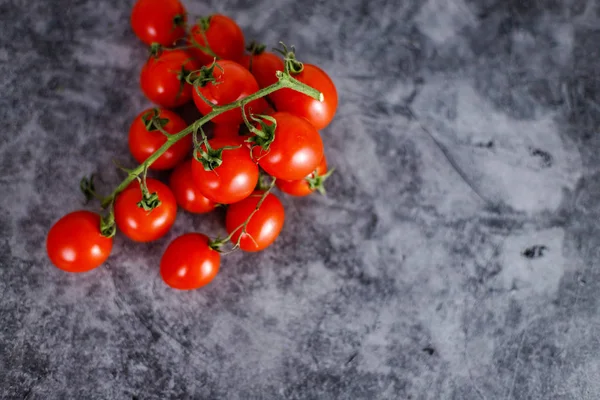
<point x="266" y="142"/>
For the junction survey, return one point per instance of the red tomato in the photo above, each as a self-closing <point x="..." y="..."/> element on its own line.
<point x="186" y="193"/>
<point x="226" y="131"/>
<point x="224" y="36"/>
<point x="140" y="225"/>
<point x="263" y="227"/>
<point x="143" y="143"/>
<point x="319" y="114"/>
<point x="189" y="263"/>
<point x="75" y="244"/>
<point x="158" y="21"/>
<point x="301" y="187"/>
<point x="263" y="66"/>
<point x="233" y="180"/>
<point x="163" y="78"/>
<point x="296" y="150"/>
<point x="234" y="82"/>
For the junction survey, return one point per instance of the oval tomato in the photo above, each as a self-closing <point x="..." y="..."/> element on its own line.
<point x="224" y="36"/>
<point x="233" y="180"/>
<point x="264" y="226"/>
<point x="75" y="243"/>
<point x="163" y="78"/>
<point x="145" y="139"/>
<point x="264" y="67"/>
<point x="158" y="21"/>
<point x="233" y="82"/>
<point x="301" y="187"/>
<point x="319" y="114"/>
<point x="296" y="150"/>
<point x="186" y="193"/>
<point x="140" y="225"/>
<point x="189" y="263"/>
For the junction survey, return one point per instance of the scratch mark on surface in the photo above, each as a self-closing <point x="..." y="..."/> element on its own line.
<point x="517" y="364"/>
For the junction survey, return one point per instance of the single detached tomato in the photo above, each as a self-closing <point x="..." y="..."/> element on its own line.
<point x="141" y="225"/>
<point x="186" y="193"/>
<point x="296" y="150"/>
<point x="145" y="138"/>
<point x="225" y="39"/>
<point x="75" y="244"/>
<point x="189" y="262"/>
<point x="158" y="21"/>
<point x="233" y="82"/>
<point x="302" y="187"/>
<point x="163" y="78"/>
<point x="234" y="179"/>
<point x="264" y="67"/>
<point x="318" y="113"/>
<point x="264" y="226"/>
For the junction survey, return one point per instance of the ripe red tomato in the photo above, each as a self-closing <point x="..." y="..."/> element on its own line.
<point x="234" y="82"/>
<point x="224" y="36"/>
<point x="163" y="78"/>
<point x="140" y="225"/>
<point x="75" y="244"/>
<point x="233" y="180"/>
<point x="186" y="193"/>
<point x="264" y="226"/>
<point x="319" y="114"/>
<point x="158" y="21"/>
<point x="143" y="143"/>
<point x="301" y="187"/>
<point x="296" y="150"/>
<point x="263" y="66"/>
<point x="189" y="263"/>
<point x="226" y="131"/>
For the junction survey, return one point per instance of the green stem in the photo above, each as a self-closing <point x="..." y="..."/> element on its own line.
<point x="285" y="81"/>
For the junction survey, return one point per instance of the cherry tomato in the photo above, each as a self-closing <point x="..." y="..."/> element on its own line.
<point x="140" y="225"/>
<point x="186" y="193"/>
<point x="189" y="263"/>
<point x="233" y="180"/>
<point x="264" y="226"/>
<point x="143" y="143"/>
<point x="233" y="82"/>
<point x="296" y="150"/>
<point x="263" y="66"/>
<point x="224" y="36"/>
<point x="75" y="244"/>
<point x="163" y="78"/>
<point x="158" y="21"/>
<point x="319" y="114"/>
<point x="301" y="187"/>
<point x="226" y="131"/>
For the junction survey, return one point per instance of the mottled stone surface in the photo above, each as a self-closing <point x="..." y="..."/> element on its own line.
<point x="456" y="255"/>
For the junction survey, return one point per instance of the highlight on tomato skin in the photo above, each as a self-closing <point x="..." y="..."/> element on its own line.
<point x="264" y="225"/>
<point x="75" y="243"/>
<point x="186" y="193"/>
<point x="189" y="263"/>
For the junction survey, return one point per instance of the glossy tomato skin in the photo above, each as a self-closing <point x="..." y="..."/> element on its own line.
<point x="186" y="193"/>
<point x="160" y="79"/>
<point x="143" y="143"/>
<point x="233" y="180"/>
<point x="234" y="82"/>
<point x="225" y="38"/>
<point x="189" y="263"/>
<point x="264" y="67"/>
<point x="296" y="151"/>
<point x="264" y="226"/>
<point x="140" y="225"/>
<point x="301" y="187"/>
<point x="158" y="21"/>
<point x="319" y="114"/>
<point x="75" y="244"/>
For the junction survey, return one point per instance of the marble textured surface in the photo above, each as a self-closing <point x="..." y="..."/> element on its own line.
<point x="456" y="255"/>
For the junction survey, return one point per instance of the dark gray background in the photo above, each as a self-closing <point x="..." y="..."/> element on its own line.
<point x="467" y="133"/>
